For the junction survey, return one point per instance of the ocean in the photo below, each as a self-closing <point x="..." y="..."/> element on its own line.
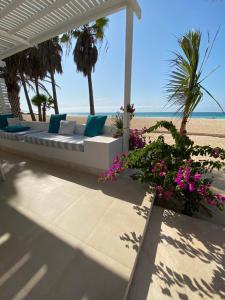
<point x="195" y="115"/>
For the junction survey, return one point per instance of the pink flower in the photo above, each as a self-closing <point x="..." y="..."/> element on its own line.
<point x="191" y="187"/>
<point x="197" y="177"/>
<point x="187" y="173"/>
<point x="162" y="174"/>
<point x="159" y="191"/>
<point x="220" y="197"/>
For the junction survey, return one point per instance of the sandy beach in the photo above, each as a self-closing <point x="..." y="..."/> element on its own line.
<point x="212" y="127"/>
<point x="204" y="127"/>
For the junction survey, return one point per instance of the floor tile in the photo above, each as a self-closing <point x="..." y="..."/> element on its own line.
<point x="81" y="218"/>
<point x="119" y="233"/>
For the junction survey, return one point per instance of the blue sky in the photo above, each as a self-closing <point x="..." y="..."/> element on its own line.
<point x="154" y="39"/>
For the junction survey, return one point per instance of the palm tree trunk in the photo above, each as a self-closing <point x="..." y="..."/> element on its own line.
<point x="27" y="98"/>
<point x="39" y="113"/>
<point x="91" y="97"/>
<point x="183" y="126"/>
<point x="14" y="101"/>
<point x="13" y="96"/>
<point x="39" y="106"/>
<point x="56" y="108"/>
<point x="44" y="112"/>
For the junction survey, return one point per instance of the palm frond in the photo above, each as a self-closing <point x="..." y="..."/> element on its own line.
<point x="184" y="88"/>
<point x="211" y="96"/>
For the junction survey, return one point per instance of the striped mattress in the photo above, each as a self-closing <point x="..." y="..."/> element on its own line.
<point x="15" y="136"/>
<point x="74" y="143"/>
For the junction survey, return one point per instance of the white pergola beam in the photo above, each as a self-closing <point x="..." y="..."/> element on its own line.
<point x="14" y="38"/>
<point x="135" y="7"/>
<point x="128" y="76"/>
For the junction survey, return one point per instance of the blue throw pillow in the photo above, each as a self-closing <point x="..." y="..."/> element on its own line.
<point x="16" y="128"/>
<point x="3" y="120"/>
<point x="94" y="125"/>
<point x="55" y="123"/>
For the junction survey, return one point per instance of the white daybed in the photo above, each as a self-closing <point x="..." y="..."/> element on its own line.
<point x="93" y="154"/>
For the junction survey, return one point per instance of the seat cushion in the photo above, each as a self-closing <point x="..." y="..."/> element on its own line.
<point x="94" y="125"/>
<point x="3" y="120"/>
<point x="16" y="128"/>
<point x="74" y="142"/>
<point x="15" y="136"/>
<point x="55" y="122"/>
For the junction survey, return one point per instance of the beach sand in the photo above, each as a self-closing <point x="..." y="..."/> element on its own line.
<point x="195" y="126"/>
<point x="209" y="127"/>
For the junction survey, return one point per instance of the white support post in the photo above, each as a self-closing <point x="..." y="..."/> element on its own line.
<point x="128" y="73"/>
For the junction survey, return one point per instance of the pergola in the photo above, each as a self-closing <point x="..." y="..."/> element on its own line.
<point x="26" y="23"/>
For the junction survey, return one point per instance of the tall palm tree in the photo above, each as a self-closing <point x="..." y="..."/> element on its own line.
<point x="37" y="71"/>
<point x="24" y="71"/>
<point x="52" y="59"/>
<point x="12" y="81"/>
<point x="185" y="88"/>
<point x="85" y="53"/>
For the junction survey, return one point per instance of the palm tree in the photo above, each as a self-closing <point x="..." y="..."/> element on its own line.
<point x="43" y="103"/>
<point x="185" y="88"/>
<point x="12" y="81"/>
<point x="23" y="71"/>
<point x="37" y="71"/>
<point x="52" y="60"/>
<point x="85" y="53"/>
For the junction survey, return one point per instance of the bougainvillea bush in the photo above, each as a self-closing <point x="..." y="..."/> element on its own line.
<point x="137" y="139"/>
<point x="179" y="174"/>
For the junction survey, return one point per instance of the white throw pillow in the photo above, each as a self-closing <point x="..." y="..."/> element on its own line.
<point x="13" y="121"/>
<point x="67" y="127"/>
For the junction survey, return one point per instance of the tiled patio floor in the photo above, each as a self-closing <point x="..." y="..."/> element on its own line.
<point x="181" y="258"/>
<point x="65" y="236"/>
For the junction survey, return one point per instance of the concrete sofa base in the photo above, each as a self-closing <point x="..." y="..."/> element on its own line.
<point x="97" y="156"/>
<point x="94" y="154"/>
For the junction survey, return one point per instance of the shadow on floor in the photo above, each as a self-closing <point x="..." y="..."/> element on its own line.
<point x="198" y="240"/>
<point x="124" y="189"/>
<point x="206" y="243"/>
<point x="35" y="264"/>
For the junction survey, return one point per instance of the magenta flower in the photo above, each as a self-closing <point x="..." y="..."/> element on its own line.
<point x="191" y="187"/>
<point x="197" y="177"/>
<point x="187" y="173"/>
<point x="221" y="198"/>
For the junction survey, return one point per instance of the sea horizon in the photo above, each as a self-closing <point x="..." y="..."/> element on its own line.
<point x="194" y="115"/>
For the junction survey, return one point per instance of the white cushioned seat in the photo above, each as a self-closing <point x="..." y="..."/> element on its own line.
<point x="74" y="142"/>
<point x="15" y="136"/>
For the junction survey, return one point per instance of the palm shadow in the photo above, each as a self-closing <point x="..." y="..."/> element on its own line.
<point x="192" y="242"/>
